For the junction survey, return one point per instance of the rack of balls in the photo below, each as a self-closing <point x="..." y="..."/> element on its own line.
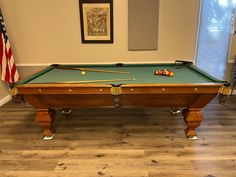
<point x="164" y="72"/>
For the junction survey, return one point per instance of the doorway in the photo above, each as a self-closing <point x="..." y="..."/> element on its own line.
<point x="214" y="37"/>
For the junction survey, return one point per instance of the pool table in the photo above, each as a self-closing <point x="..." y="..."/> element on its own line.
<point x="120" y="85"/>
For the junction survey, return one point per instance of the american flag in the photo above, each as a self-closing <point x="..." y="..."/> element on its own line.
<point x="8" y="70"/>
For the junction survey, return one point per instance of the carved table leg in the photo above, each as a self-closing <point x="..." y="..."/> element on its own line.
<point x="193" y="119"/>
<point x="45" y="118"/>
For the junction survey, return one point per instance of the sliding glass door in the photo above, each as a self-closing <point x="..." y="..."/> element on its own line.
<point x="214" y="36"/>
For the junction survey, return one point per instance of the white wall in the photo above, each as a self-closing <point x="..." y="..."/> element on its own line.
<point x="48" y="31"/>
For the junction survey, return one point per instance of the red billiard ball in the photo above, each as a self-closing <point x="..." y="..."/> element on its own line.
<point x="158" y="72"/>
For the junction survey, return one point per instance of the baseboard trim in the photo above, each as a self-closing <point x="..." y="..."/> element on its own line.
<point x="5" y="99"/>
<point x="231" y="60"/>
<point x="234" y="92"/>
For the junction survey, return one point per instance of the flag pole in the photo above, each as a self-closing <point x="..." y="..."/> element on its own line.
<point x="8" y="70"/>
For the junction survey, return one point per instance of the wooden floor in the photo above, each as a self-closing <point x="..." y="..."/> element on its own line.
<point x="118" y="143"/>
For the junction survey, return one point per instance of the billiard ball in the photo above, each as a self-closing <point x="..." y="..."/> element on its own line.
<point x="157" y="72"/>
<point x="83" y="73"/>
<point x="171" y="74"/>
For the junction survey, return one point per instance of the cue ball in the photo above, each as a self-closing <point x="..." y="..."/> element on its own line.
<point x="83" y="73"/>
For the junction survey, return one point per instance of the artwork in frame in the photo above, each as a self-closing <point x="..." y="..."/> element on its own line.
<point x="96" y="17"/>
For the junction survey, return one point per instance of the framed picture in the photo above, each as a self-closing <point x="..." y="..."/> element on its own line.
<point x="96" y="18"/>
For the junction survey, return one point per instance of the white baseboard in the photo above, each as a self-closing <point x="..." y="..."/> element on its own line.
<point x="234" y="92"/>
<point x="5" y="99"/>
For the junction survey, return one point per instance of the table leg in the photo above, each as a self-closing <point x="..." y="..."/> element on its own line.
<point x="45" y="118"/>
<point x="193" y="119"/>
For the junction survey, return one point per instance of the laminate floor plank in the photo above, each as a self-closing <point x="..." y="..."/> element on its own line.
<point x="131" y="142"/>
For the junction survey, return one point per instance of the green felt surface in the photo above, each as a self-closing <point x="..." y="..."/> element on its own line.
<point x="143" y="74"/>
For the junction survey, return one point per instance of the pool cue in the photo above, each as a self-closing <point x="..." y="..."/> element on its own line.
<point x="94" y="70"/>
<point x="95" y="81"/>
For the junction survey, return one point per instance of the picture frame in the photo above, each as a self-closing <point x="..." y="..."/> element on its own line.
<point x="96" y="19"/>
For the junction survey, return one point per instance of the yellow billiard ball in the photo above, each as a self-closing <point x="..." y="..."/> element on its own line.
<point x="83" y="73"/>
